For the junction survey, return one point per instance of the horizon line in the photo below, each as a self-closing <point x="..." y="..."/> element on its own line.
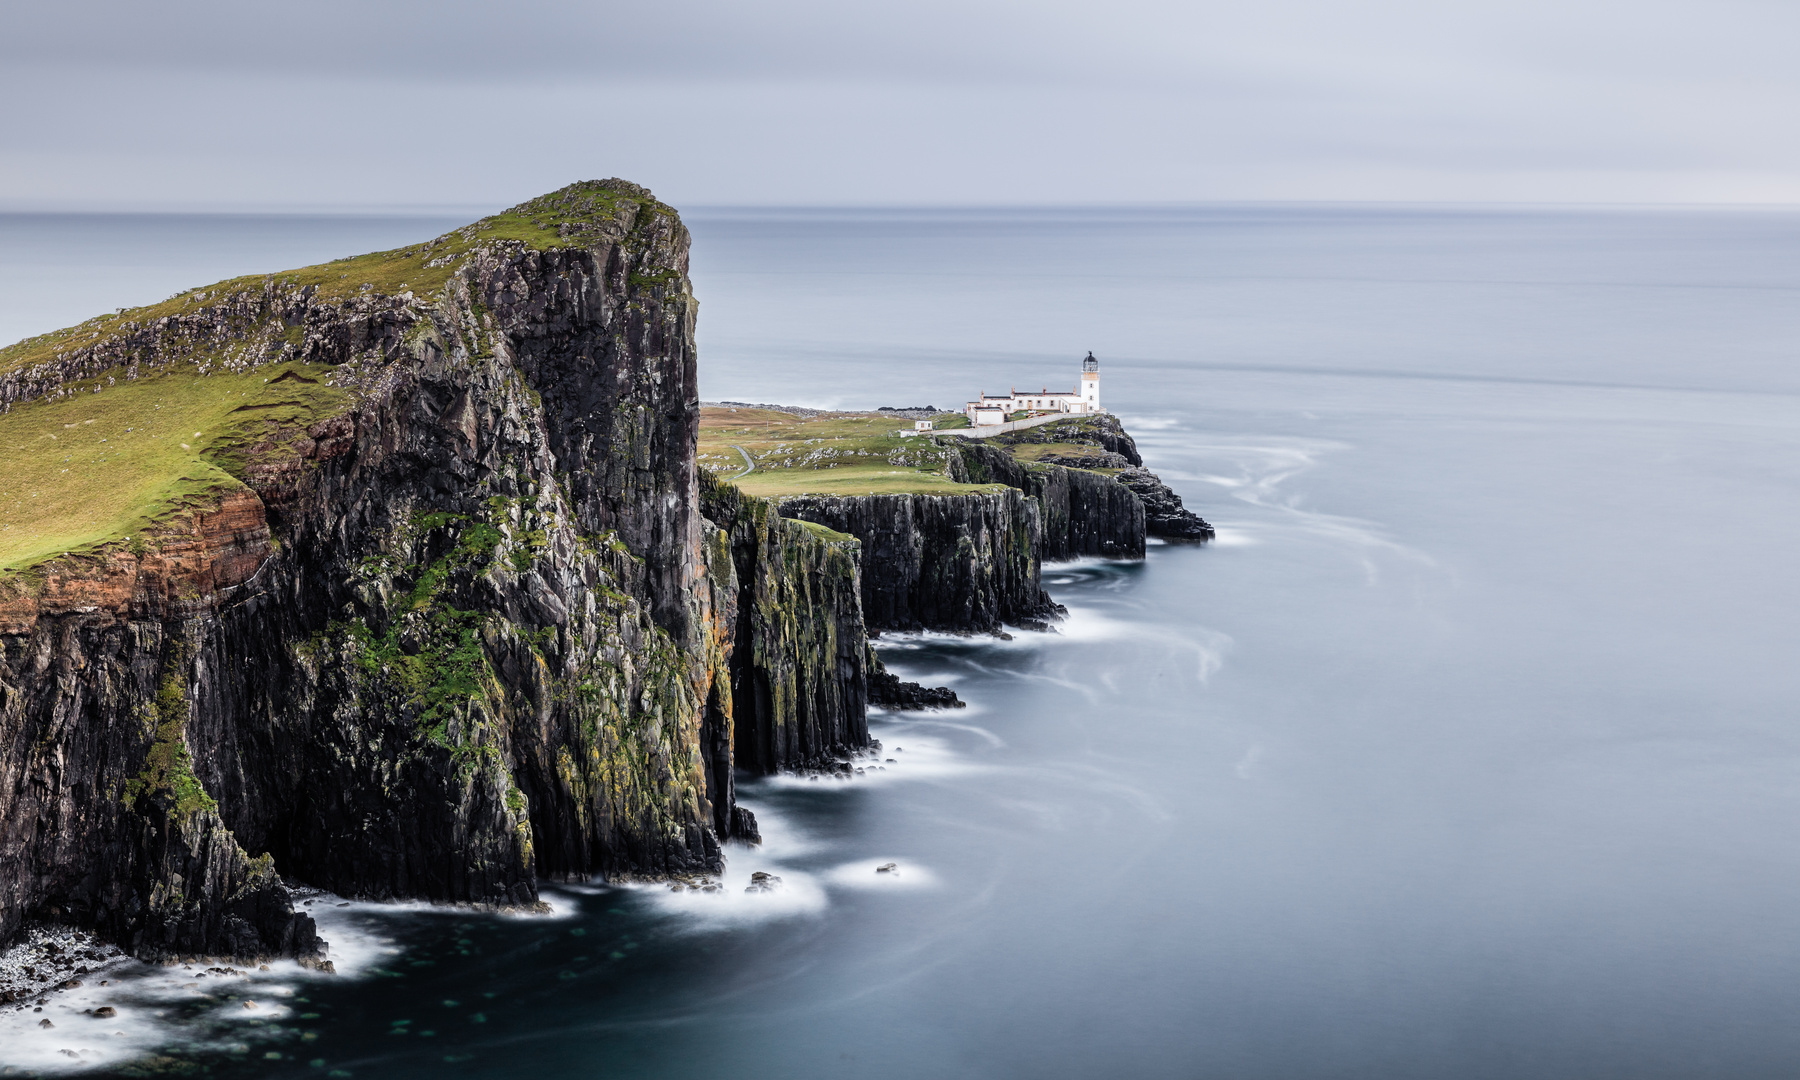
<point x="24" y="208"/>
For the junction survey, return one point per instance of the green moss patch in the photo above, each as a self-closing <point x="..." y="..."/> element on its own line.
<point x="169" y="769"/>
<point x="431" y="651"/>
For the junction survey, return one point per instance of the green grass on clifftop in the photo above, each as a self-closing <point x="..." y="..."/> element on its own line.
<point x="95" y="468"/>
<point x="568" y="217"/>
<point x="830" y="454"/>
<point x="86" y="470"/>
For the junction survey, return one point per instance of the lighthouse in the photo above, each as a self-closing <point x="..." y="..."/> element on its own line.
<point x="991" y="409"/>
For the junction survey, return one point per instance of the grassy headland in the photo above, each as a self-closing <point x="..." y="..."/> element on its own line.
<point x="564" y="218"/>
<point x="91" y="468"/>
<point x="829" y="454"/>
<point x="121" y="456"/>
<point x="853" y="453"/>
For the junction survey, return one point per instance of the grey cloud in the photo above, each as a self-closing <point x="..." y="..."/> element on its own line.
<point x="328" y="103"/>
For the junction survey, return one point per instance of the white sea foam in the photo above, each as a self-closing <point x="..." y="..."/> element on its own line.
<point x="1086" y="625"/>
<point x="77" y="1039"/>
<point x="1232" y="536"/>
<point x="243" y="1000"/>
<point x="1087" y="562"/>
<point x="1266" y="465"/>
<point x="928" y="754"/>
<point x="866" y="873"/>
<point x="781" y="838"/>
<point x="913" y="748"/>
<point x="730" y="897"/>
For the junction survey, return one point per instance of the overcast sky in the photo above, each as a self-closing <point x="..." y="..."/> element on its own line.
<point x="365" y="103"/>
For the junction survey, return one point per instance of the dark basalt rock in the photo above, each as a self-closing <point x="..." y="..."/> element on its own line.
<point x="962" y="563"/>
<point x="486" y="624"/>
<point x="889" y="691"/>
<point x="799" y="651"/>
<point x="1081" y="513"/>
<point x="1164" y="515"/>
<point x="743" y="826"/>
<point x="465" y="639"/>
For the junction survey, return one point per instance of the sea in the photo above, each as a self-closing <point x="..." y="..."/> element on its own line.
<point x="1471" y="748"/>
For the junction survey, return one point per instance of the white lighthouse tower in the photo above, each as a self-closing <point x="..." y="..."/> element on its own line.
<point x="1089" y="390"/>
<point x="995" y="408"/>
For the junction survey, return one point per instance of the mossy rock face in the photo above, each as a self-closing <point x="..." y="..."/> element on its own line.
<point x="95" y="419"/>
<point x="395" y="579"/>
<point x="801" y="652"/>
<point x="168" y="774"/>
<point x="436" y="570"/>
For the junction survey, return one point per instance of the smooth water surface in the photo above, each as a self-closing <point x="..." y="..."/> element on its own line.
<point x="1469" y="750"/>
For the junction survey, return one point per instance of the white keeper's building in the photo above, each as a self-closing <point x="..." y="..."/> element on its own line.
<point x="1085" y="398"/>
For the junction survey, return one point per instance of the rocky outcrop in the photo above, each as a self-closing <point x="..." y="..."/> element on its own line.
<point x="1083" y="513"/>
<point x="1164" y="515"/>
<point x="1102" y="431"/>
<point x="962" y="563"/>
<point x="457" y="638"/>
<point x="800" y="662"/>
<point x="103" y="821"/>
<point x="889" y="691"/>
<point x="470" y="620"/>
<point x="1104" y="444"/>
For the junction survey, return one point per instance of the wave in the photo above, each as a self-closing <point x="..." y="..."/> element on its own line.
<point x="128" y="1009"/>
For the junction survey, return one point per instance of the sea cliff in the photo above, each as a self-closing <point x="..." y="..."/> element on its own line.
<point x="437" y="603"/>
<point x="456" y="635"/>
<point x="941" y="562"/>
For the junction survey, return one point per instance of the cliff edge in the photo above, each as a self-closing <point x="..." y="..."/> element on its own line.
<point x="424" y="609"/>
<point x="399" y="576"/>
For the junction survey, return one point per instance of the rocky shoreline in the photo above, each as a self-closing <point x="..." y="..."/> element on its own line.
<point x="889" y="691"/>
<point x="504" y="629"/>
<point x="52" y="958"/>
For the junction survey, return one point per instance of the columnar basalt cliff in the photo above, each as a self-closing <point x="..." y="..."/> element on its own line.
<point x="965" y="563"/>
<point x="800" y="665"/>
<point x="437" y="603"/>
<point x="1084" y="513"/>
<point x="969" y="563"/>
<point x="1101" y="442"/>
<point x="455" y="635"/>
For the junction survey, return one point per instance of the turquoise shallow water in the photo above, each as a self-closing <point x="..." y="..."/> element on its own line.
<point x="1469" y="750"/>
